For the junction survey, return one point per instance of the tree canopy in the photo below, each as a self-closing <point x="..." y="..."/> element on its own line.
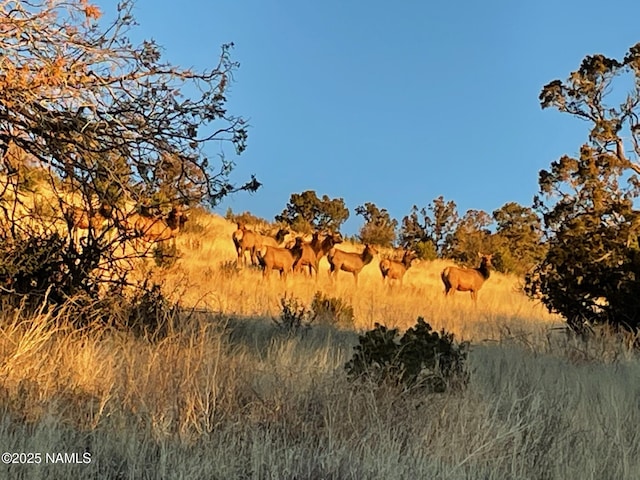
<point x="519" y="237"/>
<point x="306" y="212"/>
<point x="379" y="228"/>
<point x="106" y="123"/>
<point x="85" y="103"/>
<point x="590" y="273"/>
<point x="471" y="236"/>
<point x="430" y="234"/>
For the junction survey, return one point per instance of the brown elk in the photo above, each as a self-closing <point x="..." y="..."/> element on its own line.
<point x="467" y="279"/>
<point x="349" y="261"/>
<point x="281" y="259"/>
<point x="154" y="229"/>
<point x="80" y="219"/>
<point x="237" y="237"/>
<point x="158" y="229"/>
<point x="313" y="251"/>
<point x="246" y="240"/>
<point x="394" y="270"/>
<point x="276" y="241"/>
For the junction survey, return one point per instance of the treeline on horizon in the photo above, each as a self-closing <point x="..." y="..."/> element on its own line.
<point x="512" y="233"/>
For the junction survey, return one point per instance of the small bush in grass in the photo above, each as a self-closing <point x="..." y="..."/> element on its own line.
<point x="165" y="255"/>
<point x="229" y="269"/>
<point x="331" y="310"/>
<point x="294" y="316"/>
<point x="421" y="358"/>
<point x="193" y="227"/>
<point x="35" y="267"/>
<point x="151" y="314"/>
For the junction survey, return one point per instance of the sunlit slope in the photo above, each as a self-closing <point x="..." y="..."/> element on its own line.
<point x="206" y="277"/>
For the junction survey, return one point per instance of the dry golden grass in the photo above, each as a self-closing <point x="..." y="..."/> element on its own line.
<point x="205" y="279"/>
<point x="221" y="399"/>
<point x="227" y="395"/>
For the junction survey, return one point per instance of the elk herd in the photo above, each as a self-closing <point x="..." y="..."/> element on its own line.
<point x="139" y="225"/>
<point x="286" y="254"/>
<point x="283" y="252"/>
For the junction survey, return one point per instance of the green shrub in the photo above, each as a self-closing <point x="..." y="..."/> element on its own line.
<point x="38" y="267"/>
<point x="421" y="358"/>
<point x="331" y="311"/>
<point x="151" y="314"/>
<point x="426" y="250"/>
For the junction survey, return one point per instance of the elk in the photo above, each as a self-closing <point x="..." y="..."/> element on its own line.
<point x="237" y="237"/>
<point x="276" y="241"/>
<point x="349" y="261"/>
<point x="467" y="279"/>
<point x="246" y="240"/>
<point x="394" y="270"/>
<point x="281" y="259"/>
<point x="155" y="229"/>
<point x="80" y="219"/>
<point x="326" y="244"/>
<point x="313" y="251"/>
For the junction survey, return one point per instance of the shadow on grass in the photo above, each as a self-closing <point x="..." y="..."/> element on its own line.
<point x="258" y="334"/>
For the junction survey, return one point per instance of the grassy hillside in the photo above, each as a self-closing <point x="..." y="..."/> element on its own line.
<point x="226" y="395"/>
<point x="205" y="278"/>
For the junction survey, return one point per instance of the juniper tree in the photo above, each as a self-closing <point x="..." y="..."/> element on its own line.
<point x="379" y="228"/>
<point x="306" y="212"/>
<point x="591" y="271"/>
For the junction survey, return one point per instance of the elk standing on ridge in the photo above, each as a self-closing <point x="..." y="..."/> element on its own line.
<point x="246" y="240"/>
<point x="278" y="240"/>
<point x="393" y="270"/>
<point x="153" y="229"/>
<point x="312" y="252"/>
<point x="349" y="261"/>
<point x="467" y="279"/>
<point x="237" y="237"/>
<point x="157" y="229"/>
<point x="281" y="259"/>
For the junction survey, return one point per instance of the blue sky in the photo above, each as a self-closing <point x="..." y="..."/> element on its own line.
<point x="393" y="103"/>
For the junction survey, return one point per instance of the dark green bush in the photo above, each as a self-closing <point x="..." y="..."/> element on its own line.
<point x="589" y="201"/>
<point x="38" y="267"/>
<point x="150" y="314"/>
<point x="421" y="358"/>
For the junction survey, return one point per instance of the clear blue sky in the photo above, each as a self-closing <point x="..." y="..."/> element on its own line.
<point x="393" y="103"/>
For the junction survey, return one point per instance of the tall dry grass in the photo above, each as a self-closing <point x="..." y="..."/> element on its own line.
<point x="227" y="395"/>
<point x="236" y="399"/>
